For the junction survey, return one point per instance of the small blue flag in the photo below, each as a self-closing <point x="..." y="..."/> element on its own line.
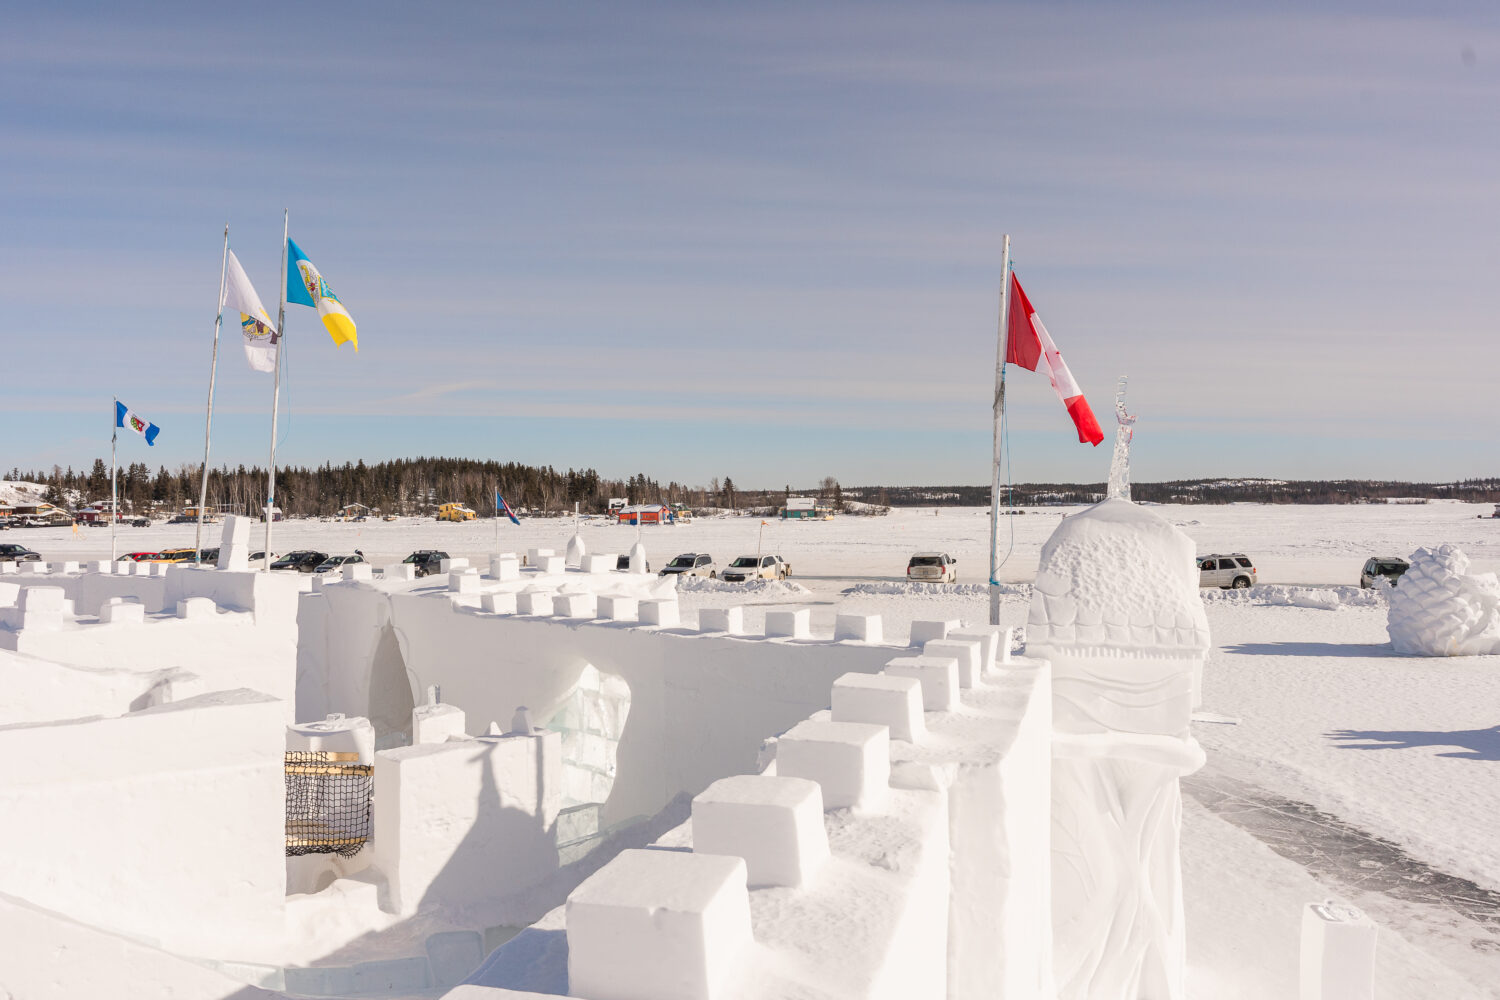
<point x="145" y="428"/>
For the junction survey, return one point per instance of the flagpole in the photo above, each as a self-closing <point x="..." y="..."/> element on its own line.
<point x="1002" y="350"/>
<point x="114" y="502"/>
<point x="208" y="422"/>
<point x="276" y="392"/>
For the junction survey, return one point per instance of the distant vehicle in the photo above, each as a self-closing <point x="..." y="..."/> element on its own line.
<point x="756" y="568"/>
<point x="137" y="522"/>
<point x="138" y="557"/>
<point x="454" y="512"/>
<point x="1233" y="571"/>
<point x="622" y="564"/>
<point x="389" y="517"/>
<point x="932" y="567"/>
<point x="302" y="560"/>
<point x="257" y="559"/>
<point x="426" y="561"/>
<point x="692" y="564"/>
<point x="334" y="562"/>
<point x="18" y="553"/>
<point x="1388" y="568"/>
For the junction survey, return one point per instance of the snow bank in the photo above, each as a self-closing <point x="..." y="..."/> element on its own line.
<point x="1438" y="609"/>
<point x="1282" y="595"/>
<point x="760" y="588"/>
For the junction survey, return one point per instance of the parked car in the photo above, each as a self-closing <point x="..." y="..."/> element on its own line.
<point x="1387" y="568"/>
<point x="137" y="522"/>
<point x="17" y="553"/>
<point x="756" y="568"/>
<point x="692" y="564"/>
<point x="302" y="561"/>
<point x="174" y="555"/>
<point x="426" y="560"/>
<point x="1227" y="571"/>
<point x="257" y="559"/>
<point x="622" y="564"/>
<point x="334" y="562"/>
<point x="932" y="567"/>
<point x="138" y="557"/>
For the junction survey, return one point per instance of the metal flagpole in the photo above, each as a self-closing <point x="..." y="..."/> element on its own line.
<point x="1002" y="350"/>
<point x="114" y="500"/>
<point x="208" y="423"/>
<point x="276" y="392"/>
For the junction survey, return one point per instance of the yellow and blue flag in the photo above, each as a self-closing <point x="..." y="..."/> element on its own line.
<point x="305" y="286"/>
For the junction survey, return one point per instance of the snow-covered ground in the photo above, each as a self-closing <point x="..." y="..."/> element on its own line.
<point x="1311" y="706"/>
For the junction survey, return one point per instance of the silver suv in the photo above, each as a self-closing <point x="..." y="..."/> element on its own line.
<point x="1382" y="571"/>
<point x="692" y="564"/>
<point x="1230" y="571"/>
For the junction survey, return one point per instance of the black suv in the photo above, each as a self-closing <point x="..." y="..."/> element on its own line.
<point x="18" y="553"/>
<point x="303" y="560"/>
<point x="426" y="560"/>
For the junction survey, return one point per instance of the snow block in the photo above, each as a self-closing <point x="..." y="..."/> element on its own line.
<point x="358" y="571"/>
<point x="598" y="562"/>
<point x="9" y="593"/>
<point x="862" y="628"/>
<point x="463" y="581"/>
<point x="435" y="723"/>
<point x="234" y="544"/>
<point x="795" y="623"/>
<point x="966" y="651"/>
<point x="35" y="568"/>
<point x="41" y="599"/>
<point x="101" y="566"/>
<point x="534" y="603"/>
<point x="1338" y="953"/>
<point x="577" y="606"/>
<point x="505" y="567"/>
<point x="452" y="564"/>
<point x="660" y="612"/>
<point x="881" y="700"/>
<point x="119" y="611"/>
<point x="337" y="733"/>
<point x="926" y="631"/>
<point x="730" y="621"/>
<point x="499" y="604"/>
<point x="196" y="608"/>
<point x="619" y="609"/>
<point x="938" y="676"/>
<point x="988" y="636"/>
<point x="159" y="568"/>
<point x="7" y="567"/>
<point x="144" y="569"/>
<point x="65" y="567"/>
<point x="535" y="556"/>
<point x="774" y="822"/>
<point x="399" y="571"/>
<point x="850" y="760"/>
<point x="550" y="564"/>
<point x="658" y="925"/>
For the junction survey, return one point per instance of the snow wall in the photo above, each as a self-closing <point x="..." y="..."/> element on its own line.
<point x="700" y="705"/>
<point x="930" y="883"/>
<point x="164" y="825"/>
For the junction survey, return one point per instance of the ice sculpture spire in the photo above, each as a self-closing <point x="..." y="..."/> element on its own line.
<point x="1119" y="465"/>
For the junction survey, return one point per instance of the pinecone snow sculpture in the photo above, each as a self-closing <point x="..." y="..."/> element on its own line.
<point x="1437" y="609"/>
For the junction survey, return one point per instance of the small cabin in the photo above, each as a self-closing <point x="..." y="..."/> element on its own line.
<point x="805" y="509"/>
<point x="646" y="513"/>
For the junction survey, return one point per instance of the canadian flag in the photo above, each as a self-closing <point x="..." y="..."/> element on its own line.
<point x="1031" y="345"/>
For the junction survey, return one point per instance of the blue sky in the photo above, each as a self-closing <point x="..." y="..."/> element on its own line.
<point x="762" y="240"/>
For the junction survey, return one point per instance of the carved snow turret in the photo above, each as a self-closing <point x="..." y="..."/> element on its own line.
<point x="1438" y="609"/>
<point x="1116" y="610"/>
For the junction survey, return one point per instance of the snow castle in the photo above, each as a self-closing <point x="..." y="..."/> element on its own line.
<point x="1116" y="611"/>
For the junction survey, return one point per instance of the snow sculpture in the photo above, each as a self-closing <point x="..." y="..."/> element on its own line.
<point x="576" y="551"/>
<point x="1439" y="610"/>
<point x="638" y="558"/>
<point x="1119" y="463"/>
<point x="1116" y="610"/>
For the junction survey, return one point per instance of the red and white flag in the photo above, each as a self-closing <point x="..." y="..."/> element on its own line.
<point x="1031" y="347"/>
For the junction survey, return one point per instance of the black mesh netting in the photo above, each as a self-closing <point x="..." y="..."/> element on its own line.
<point x="327" y="802"/>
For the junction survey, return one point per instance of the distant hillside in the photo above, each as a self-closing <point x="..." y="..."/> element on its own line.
<point x="413" y="486"/>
